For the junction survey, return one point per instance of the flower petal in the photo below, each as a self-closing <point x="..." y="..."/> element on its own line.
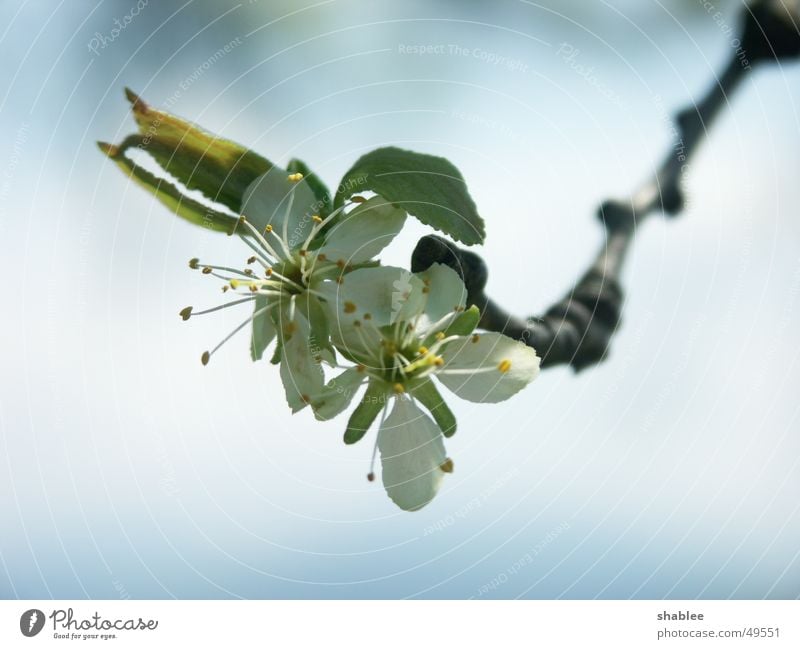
<point x="386" y="293"/>
<point x="301" y="372"/>
<point x="273" y="199"/>
<point x="412" y="456"/>
<point x="360" y="235"/>
<point x="337" y="394"/>
<point x="319" y="334"/>
<point x="446" y="291"/>
<point x="263" y="330"/>
<point x="488" y="367"/>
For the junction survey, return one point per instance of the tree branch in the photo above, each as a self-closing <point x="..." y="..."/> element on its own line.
<point x="577" y="330"/>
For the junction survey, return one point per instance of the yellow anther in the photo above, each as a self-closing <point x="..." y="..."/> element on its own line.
<point x="504" y="365"/>
<point x="235" y="283"/>
<point x="423" y="350"/>
<point x="193" y="263"/>
<point x="204" y="358"/>
<point x="206" y="271"/>
<point x="361" y="368"/>
<point x="440" y="335"/>
<point x="321" y="257"/>
<point x="268" y="229"/>
<point x="447" y="466"/>
<point x="475" y="338"/>
<point x="438" y="361"/>
<point x="349" y="307"/>
<point x="316" y="218"/>
<point x="295" y="177"/>
<point x="398" y="388"/>
<point x="251" y="260"/>
<point x="268" y="272"/>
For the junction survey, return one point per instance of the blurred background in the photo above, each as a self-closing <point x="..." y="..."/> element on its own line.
<point x="129" y="470"/>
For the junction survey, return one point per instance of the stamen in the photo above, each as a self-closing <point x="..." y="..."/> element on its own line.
<point x="207" y="355"/>
<point x="318" y="225"/>
<point x="188" y="312"/>
<point x="504" y="365"/>
<point x="193" y="263"/>
<point x="271" y="273"/>
<point x="226" y="269"/>
<point x="285" y="231"/>
<point x="447" y="465"/>
<point x="295" y="177"/>
<point x="259" y="256"/>
<point x="349" y="307"/>
<point x="268" y="248"/>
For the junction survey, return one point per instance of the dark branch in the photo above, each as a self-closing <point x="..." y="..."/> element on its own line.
<point x="577" y="330"/>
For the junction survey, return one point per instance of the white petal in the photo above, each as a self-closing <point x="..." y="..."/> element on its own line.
<point x="364" y="232"/>
<point x="337" y="394"/>
<point x="263" y="332"/>
<point x="446" y="292"/>
<point x="386" y="293"/>
<point x="493" y="352"/>
<point x="301" y="373"/>
<point x="267" y="202"/>
<point x="412" y="455"/>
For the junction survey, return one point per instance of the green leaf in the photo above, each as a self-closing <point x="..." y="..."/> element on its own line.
<point x="173" y="198"/>
<point x="428" y="187"/>
<point x="324" y="202"/>
<point x="368" y="408"/>
<point x="219" y="169"/>
<point x="465" y="323"/>
<point x="429" y="396"/>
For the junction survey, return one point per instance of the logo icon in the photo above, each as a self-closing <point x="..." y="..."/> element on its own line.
<point x="31" y="622"/>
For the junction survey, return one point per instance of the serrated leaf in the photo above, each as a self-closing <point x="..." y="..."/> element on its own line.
<point x="219" y="169"/>
<point x="173" y="198"/>
<point x="427" y="187"/>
